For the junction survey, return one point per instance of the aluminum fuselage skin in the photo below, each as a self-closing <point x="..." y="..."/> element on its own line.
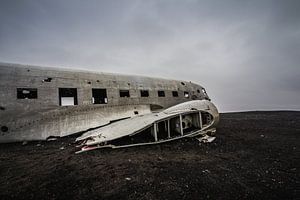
<point x="42" y="117"/>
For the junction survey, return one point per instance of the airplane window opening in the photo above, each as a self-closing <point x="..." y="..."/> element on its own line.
<point x="161" y="93"/>
<point x="162" y="130"/>
<point x="206" y="118"/>
<point x="99" y="96"/>
<point x="47" y="80"/>
<point x="175" y="93"/>
<point x="144" y="93"/>
<point x="190" y="123"/>
<point x="4" y="128"/>
<point x="186" y="94"/>
<point x="124" y="93"/>
<point x="68" y="96"/>
<point x="26" y="93"/>
<point x="175" y="127"/>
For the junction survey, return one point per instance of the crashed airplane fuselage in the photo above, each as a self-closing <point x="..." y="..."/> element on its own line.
<point x="37" y="103"/>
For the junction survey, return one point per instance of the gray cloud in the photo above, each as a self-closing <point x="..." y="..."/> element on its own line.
<point x="246" y="53"/>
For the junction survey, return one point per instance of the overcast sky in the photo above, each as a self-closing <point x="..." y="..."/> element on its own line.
<point x="245" y="53"/>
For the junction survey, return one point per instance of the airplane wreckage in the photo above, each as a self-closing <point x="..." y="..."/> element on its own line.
<point x="110" y="110"/>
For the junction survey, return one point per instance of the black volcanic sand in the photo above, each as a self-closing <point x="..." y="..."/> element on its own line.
<point x="255" y="156"/>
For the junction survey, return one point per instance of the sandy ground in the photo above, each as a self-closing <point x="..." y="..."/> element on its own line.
<point x="255" y="156"/>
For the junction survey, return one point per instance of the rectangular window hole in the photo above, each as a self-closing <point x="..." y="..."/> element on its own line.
<point x="27" y="93"/>
<point x="68" y="96"/>
<point x="161" y="93"/>
<point x="175" y="93"/>
<point x="99" y="96"/>
<point x="186" y="94"/>
<point x="124" y="93"/>
<point x="144" y="93"/>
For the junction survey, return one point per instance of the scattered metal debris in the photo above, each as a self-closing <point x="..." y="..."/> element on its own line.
<point x="206" y="139"/>
<point x="205" y="171"/>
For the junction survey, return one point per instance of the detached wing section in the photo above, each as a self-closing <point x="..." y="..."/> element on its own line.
<point x="120" y="129"/>
<point x="183" y="120"/>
